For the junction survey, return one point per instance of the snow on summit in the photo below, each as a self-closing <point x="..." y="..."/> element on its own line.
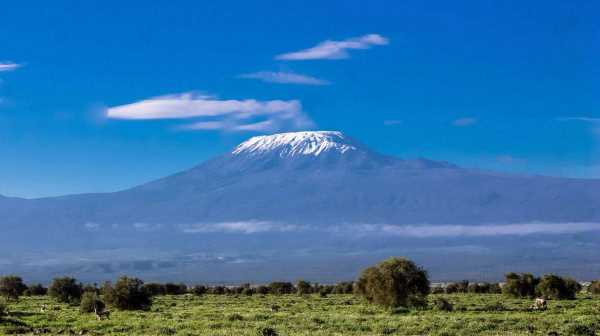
<point x="296" y="143"/>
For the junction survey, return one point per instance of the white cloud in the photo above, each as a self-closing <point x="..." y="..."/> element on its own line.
<point x="232" y="115"/>
<point x="520" y="229"/>
<point x="9" y="66"/>
<point x="463" y="122"/>
<point x="246" y="227"/>
<point x="335" y="49"/>
<point x="285" y="78"/>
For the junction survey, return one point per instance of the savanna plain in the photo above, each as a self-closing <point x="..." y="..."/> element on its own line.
<point x="313" y="314"/>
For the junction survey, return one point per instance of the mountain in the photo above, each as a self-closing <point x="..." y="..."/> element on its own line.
<point x="311" y="199"/>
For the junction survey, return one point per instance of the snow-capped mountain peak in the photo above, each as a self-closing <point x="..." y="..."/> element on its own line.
<point x="297" y="143"/>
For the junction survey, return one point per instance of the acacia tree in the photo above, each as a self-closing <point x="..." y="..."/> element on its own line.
<point x="395" y="282"/>
<point x="128" y="294"/>
<point x="555" y="287"/>
<point x="11" y="287"/>
<point x="66" y="290"/>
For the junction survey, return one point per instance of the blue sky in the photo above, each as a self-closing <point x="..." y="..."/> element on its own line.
<point x="88" y="89"/>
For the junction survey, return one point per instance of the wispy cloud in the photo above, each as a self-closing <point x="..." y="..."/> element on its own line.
<point x="246" y="227"/>
<point x="285" y="78"/>
<point x="520" y="229"/>
<point x="230" y="115"/>
<point x="463" y="122"/>
<point x="9" y="66"/>
<point x="584" y="119"/>
<point x="335" y="49"/>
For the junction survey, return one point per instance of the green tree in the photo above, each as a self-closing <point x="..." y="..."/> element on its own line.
<point x="90" y="302"/>
<point x="520" y="285"/>
<point x="303" y="287"/>
<point x="66" y="290"/>
<point x="11" y="287"/>
<point x="395" y="282"/>
<point x="128" y="294"/>
<point x="555" y="287"/>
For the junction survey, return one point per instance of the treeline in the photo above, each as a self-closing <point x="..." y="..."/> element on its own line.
<point x="396" y="282"/>
<point x="69" y="290"/>
<point x="468" y="287"/>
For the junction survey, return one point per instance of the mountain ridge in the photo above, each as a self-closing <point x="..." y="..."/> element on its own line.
<point x="314" y="195"/>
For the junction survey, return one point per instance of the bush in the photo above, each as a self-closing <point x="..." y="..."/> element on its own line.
<point x="342" y="288"/>
<point x="262" y="290"/>
<point x="442" y="304"/>
<point x="437" y="290"/>
<point x="199" y="290"/>
<point x="3" y="308"/>
<point x="595" y="288"/>
<point x="495" y="288"/>
<point x="266" y="331"/>
<point x="128" y="294"/>
<point x="581" y="330"/>
<point x="248" y="291"/>
<point x="90" y="302"/>
<point x="155" y="289"/>
<point x="281" y="288"/>
<point x="36" y="290"/>
<point x="11" y="287"/>
<point x="393" y="283"/>
<point x="555" y="287"/>
<point x="303" y="287"/>
<point x="218" y="290"/>
<point x="175" y="289"/>
<point x="65" y="290"/>
<point x="520" y="285"/>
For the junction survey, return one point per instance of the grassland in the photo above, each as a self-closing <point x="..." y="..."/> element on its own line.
<point x="474" y="314"/>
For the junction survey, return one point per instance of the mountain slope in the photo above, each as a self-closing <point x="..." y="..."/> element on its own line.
<point x="307" y="186"/>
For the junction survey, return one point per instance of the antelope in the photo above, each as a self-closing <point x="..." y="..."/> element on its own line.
<point x="539" y="304"/>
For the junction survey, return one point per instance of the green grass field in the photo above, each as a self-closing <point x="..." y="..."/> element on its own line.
<point x="474" y="314"/>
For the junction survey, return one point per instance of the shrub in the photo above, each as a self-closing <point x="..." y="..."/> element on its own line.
<point x="92" y="288"/>
<point x="199" y="290"/>
<point x="581" y="330"/>
<point x="175" y="289"/>
<point x="437" y="290"/>
<point x="128" y="294"/>
<point x="248" y="291"/>
<point x="479" y="288"/>
<point x="36" y="290"/>
<point x="262" y="290"/>
<point x="3" y="308"/>
<point x="266" y="331"/>
<point x="217" y="290"/>
<point x="343" y="288"/>
<point x="65" y="290"/>
<point x="303" y="287"/>
<point x="555" y="287"/>
<point x="90" y="302"/>
<point x="155" y="289"/>
<point x="11" y="287"/>
<point x="595" y="287"/>
<point x="394" y="282"/>
<point x="520" y="285"/>
<point x="495" y="288"/>
<point x="442" y="304"/>
<point x="281" y="288"/>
